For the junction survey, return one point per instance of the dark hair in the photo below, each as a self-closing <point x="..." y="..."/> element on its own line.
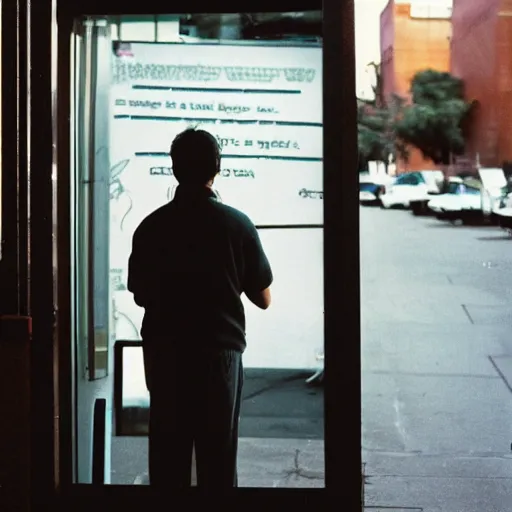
<point x="195" y="157"/>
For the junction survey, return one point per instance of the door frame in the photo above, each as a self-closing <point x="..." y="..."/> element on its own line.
<point x="11" y="189"/>
<point x="53" y="378"/>
<point x="35" y="26"/>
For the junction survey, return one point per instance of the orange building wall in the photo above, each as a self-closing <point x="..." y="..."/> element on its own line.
<point x="482" y="57"/>
<point x="410" y="45"/>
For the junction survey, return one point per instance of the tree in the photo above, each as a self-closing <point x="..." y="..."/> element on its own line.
<point x="436" y="121"/>
<point x="372" y="139"/>
<point x="376" y="121"/>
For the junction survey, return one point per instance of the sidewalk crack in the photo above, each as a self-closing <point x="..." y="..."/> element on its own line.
<point x="299" y="472"/>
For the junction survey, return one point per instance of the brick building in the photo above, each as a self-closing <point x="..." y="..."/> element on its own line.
<point x="481" y="50"/>
<point x="414" y="36"/>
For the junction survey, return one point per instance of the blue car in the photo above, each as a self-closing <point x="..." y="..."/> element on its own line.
<point x="369" y="193"/>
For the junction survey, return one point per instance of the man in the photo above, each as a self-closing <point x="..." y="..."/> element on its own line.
<point x="190" y="263"/>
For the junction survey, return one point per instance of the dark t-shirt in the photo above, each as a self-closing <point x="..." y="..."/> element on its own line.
<point x="191" y="261"/>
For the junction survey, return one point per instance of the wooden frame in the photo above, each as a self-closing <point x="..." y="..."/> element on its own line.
<point x="13" y="267"/>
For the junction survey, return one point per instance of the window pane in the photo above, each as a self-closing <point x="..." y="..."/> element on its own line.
<point x="267" y="145"/>
<point x="168" y="28"/>
<point x="258" y="91"/>
<point x="139" y="28"/>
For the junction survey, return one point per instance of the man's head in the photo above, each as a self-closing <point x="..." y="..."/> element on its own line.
<point x="195" y="157"/>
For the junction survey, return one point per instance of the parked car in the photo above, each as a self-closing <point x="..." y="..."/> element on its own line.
<point x="411" y="187"/>
<point x="436" y="184"/>
<point x="372" y="186"/>
<point x="504" y="219"/>
<point x="369" y="193"/>
<point x="462" y="200"/>
<point x="493" y="190"/>
<point x="503" y="213"/>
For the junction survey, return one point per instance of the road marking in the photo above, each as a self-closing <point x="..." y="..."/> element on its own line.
<point x="464" y="307"/>
<point x="500" y="373"/>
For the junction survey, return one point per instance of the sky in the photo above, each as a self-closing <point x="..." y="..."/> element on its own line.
<point x="367" y="27"/>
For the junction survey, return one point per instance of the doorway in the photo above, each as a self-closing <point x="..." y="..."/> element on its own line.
<point x="130" y="96"/>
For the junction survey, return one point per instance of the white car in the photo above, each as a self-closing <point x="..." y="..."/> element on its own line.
<point x="461" y="199"/>
<point x="494" y="182"/>
<point x="503" y="214"/>
<point x="411" y="187"/>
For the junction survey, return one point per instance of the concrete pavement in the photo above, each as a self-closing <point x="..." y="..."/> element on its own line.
<point x="437" y="364"/>
<point x="269" y="462"/>
<point x="281" y="435"/>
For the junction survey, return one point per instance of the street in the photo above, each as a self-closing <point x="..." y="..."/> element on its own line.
<point x="437" y="364"/>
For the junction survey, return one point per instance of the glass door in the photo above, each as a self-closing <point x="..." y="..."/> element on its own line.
<point x="91" y="70"/>
<point x="262" y="100"/>
<point x="129" y="100"/>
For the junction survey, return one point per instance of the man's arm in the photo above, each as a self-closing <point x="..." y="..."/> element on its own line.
<point x="258" y="273"/>
<point x="138" y="267"/>
<point x="261" y="299"/>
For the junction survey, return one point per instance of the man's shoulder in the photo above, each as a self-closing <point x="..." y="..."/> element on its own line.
<point x="153" y="220"/>
<point x="235" y="217"/>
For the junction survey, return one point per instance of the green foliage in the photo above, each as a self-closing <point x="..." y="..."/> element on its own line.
<point x="374" y="144"/>
<point x="435" y="120"/>
<point x="376" y="119"/>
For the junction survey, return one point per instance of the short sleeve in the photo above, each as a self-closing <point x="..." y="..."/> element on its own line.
<point x="257" y="273"/>
<point x="143" y="276"/>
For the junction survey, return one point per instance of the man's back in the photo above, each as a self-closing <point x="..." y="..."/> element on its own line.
<point x="191" y="261"/>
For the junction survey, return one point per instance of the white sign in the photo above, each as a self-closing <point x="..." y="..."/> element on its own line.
<point x="169" y="103"/>
<point x="252" y="141"/>
<point x="270" y="192"/>
<point x="264" y="105"/>
<point x="290" y="334"/>
<point x="188" y="65"/>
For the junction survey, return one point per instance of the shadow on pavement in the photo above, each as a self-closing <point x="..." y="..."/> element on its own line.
<point x="503" y="238"/>
<point x="279" y="403"/>
<point x="457" y="224"/>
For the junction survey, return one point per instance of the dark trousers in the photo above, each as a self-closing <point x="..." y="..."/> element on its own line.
<point x="195" y="401"/>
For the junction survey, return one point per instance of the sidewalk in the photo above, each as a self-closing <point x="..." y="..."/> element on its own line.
<point x="449" y="483"/>
<point x="288" y="463"/>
